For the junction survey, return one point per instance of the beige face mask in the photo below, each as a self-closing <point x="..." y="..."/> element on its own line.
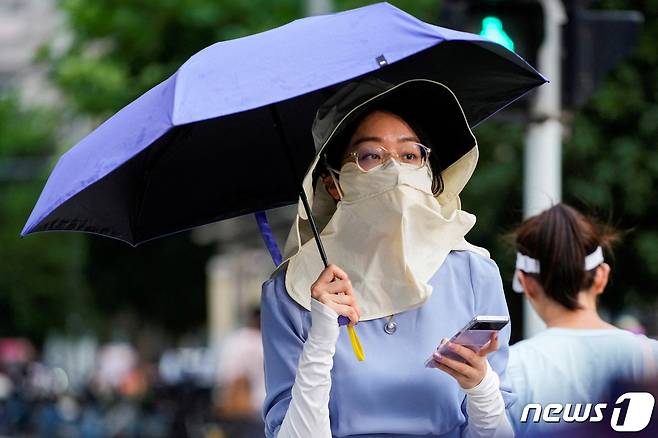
<point x="389" y="233"/>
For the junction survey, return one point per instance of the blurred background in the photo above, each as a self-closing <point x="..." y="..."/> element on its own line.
<point x="98" y="339"/>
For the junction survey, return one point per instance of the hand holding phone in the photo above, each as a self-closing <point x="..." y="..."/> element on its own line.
<point x="473" y="336"/>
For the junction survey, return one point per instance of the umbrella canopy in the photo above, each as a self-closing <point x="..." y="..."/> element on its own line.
<point x="209" y="142"/>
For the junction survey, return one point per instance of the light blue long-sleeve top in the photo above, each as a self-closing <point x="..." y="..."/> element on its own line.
<point x="391" y="393"/>
<point x="561" y="365"/>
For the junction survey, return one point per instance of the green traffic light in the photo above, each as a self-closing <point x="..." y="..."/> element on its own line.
<point x="492" y="29"/>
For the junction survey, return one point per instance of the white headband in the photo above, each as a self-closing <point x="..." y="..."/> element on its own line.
<point x="531" y="266"/>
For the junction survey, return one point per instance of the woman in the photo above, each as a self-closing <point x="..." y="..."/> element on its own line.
<point x="391" y="219"/>
<point x="561" y="270"/>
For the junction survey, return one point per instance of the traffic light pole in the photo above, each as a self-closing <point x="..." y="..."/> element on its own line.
<point x="542" y="179"/>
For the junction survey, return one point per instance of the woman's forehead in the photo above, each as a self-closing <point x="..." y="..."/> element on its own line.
<point x="383" y="126"/>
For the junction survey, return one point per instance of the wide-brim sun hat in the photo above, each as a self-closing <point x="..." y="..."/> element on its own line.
<point x="429" y="107"/>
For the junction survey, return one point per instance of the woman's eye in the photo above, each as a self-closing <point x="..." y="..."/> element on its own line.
<point x="371" y="156"/>
<point x="410" y="157"/>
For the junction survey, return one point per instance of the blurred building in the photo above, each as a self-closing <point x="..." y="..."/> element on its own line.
<point x="239" y="268"/>
<point x="26" y="25"/>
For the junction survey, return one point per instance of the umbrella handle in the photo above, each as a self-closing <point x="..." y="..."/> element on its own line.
<point x="356" y="345"/>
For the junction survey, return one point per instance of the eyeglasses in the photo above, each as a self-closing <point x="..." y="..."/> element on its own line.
<point x="369" y="156"/>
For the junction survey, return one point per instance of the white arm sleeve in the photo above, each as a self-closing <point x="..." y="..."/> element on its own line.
<point x="486" y="409"/>
<point x="308" y="412"/>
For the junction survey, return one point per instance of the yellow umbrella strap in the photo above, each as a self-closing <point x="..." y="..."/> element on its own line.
<point x="356" y="345"/>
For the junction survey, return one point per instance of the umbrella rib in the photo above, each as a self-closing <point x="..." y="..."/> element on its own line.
<point x="150" y="161"/>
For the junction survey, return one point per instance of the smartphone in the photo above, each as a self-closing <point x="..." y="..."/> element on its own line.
<point x="474" y="336"/>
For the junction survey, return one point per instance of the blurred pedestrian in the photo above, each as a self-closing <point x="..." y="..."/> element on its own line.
<point x="561" y="269"/>
<point x="114" y="363"/>
<point x="241" y="381"/>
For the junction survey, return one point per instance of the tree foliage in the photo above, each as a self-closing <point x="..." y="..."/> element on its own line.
<point x="611" y="161"/>
<point x="40" y="285"/>
<point x="121" y="48"/>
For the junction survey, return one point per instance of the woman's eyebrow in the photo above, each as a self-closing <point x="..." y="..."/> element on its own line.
<point x="401" y="139"/>
<point x="364" y="139"/>
<point x="407" y="138"/>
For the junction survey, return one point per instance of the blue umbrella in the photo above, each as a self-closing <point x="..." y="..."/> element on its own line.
<point x="229" y="132"/>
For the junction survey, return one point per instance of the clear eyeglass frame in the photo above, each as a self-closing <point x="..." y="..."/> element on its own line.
<point x="369" y="157"/>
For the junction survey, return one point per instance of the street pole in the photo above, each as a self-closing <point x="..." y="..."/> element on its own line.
<point x="542" y="178"/>
<point x="221" y="296"/>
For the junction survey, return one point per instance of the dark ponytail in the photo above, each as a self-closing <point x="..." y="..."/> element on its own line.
<point x="560" y="238"/>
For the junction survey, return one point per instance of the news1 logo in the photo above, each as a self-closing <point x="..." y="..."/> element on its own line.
<point x="631" y="412"/>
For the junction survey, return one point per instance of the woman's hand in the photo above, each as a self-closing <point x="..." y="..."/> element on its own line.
<point x="472" y="372"/>
<point x="334" y="289"/>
